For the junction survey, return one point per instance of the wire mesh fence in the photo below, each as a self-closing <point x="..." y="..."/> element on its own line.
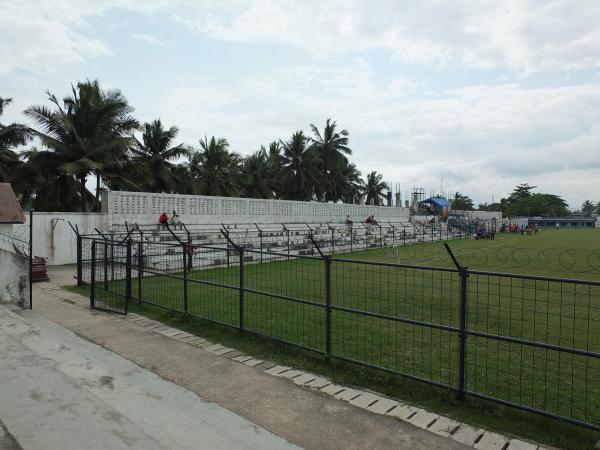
<point x="531" y="342"/>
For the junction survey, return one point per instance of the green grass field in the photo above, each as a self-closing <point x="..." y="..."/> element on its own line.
<point x="564" y="314"/>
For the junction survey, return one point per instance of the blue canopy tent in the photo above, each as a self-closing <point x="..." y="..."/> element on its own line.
<point x="438" y="202"/>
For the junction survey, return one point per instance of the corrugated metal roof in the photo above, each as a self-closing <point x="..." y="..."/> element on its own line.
<point x="10" y="209"/>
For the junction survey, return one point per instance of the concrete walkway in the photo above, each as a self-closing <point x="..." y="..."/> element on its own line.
<point x="59" y="391"/>
<point x="137" y="408"/>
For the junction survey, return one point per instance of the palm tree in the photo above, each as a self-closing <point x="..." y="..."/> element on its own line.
<point x="89" y="133"/>
<point x="45" y="186"/>
<point x="300" y="168"/>
<point x="257" y="175"/>
<point x="374" y="188"/>
<point x="216" y="170"/>
<point x="353" y="186"/>
<point x="332" y="147"/>
<point x="11" y="136"/>
<point x="154" y="154"/>
<point x="274" y="162"/>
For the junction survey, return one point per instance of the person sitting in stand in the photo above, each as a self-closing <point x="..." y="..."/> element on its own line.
<point x="369" y="223"/>
<point x="373" y="221"/>
<point x="164" y="219"/>
<point x="175" y="219"/>
<point x="349" y="222"/>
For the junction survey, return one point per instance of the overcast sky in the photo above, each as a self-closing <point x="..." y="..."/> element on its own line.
<point x="476" y="96"/>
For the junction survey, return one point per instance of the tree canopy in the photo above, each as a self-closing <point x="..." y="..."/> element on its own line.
<point x="462" y="202"/>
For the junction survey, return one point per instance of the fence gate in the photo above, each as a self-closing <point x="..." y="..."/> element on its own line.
<point x="110" y="276"/>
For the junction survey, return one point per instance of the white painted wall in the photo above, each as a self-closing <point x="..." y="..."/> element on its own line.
<point x="482" y="215"/>
<point x="144" y="208"/>
<point x="6" y="228"/>
<point x="14" y="279"/>
<point x="53" y="238"/>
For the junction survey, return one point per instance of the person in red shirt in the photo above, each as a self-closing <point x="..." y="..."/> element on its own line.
<point x="189" y="249"/>
<point x="163" y="219"/>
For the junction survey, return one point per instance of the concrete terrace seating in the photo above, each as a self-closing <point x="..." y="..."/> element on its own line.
<point x="163" y="250"/>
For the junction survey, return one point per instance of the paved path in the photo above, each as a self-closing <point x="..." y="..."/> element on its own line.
<point x="62" y="392"/>
<point x="303" y="417"/>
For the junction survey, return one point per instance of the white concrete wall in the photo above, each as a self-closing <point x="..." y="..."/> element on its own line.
<point x="144" y="208"/>
<point x="483" y="215"/>
<point x="14" y="279"/>
<point x="53" y="238"/>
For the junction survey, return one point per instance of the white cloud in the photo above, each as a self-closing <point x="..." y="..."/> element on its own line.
<point x="523" y="35"/>
<point x="469" y="136"/>
<point x="148" y="39"/>
<point x="481" y="138"/>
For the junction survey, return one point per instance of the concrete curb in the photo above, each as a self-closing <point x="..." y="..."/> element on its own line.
<point x="378" y="404"/>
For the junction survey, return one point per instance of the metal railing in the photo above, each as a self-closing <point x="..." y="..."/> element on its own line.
<point x="291" y="239"/>
<point x="529" y="342"/>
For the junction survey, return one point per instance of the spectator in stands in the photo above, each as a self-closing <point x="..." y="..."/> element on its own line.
<point x="369" y="223"/>
<point x="164" y="220"/>
<point x="349" y="222"/>
<point x="373" y="221"/>
<point x="189" y="250"/>
<point x="175" y="219"/>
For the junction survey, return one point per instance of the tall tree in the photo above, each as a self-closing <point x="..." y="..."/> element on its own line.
<point x="88" y="132"/>
<point x="45" y="187"/>
<point x="374" y="188"/>
<point x="216" y="170"/>
<point x="11" y="136"/>
<point x="489" y="207"/>
<point x="332" y="148"/>
<point x="462" y="202"/>
<point x="545" y="205"/>
<point x="257" y="175"/>
<point x="156" y="155"/>
<point x="300" y="168"/>
<point x="521" y="191"/>
<point x="588" y="208"/>
<point x="353" y="184"/>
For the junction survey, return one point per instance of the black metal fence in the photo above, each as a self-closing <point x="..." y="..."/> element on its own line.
<point x="291" y="239"/>
<point x="530" y="342"/>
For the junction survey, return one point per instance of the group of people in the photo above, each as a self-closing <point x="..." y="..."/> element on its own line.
<point x="370" y="220"/>
<point x="483" y="233"/>
<point x="515" y="228"/>
<point x="173" y="221"/>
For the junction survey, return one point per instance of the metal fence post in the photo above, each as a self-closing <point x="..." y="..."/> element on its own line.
<point x="112" y="257"/>
<point x="351" y="238"/>
<point x="31" y="259"/>
<point x="464" y="274"/>
<point x="185" y="278"/>
<point x="327" y="305"/>
<point x="140" y="268"/>
<point x="93" y="277"/>
<point x="241" y="288"/>
<point x="79" y="261"/>
<point x="128" y="275"/>
<point x="105" y="264"/>
<point x="332" y="241"/>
